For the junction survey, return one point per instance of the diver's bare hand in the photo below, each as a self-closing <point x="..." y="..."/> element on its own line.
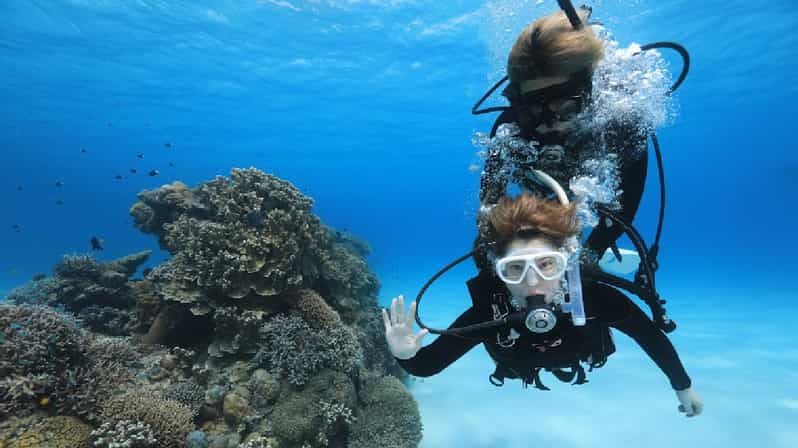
<point x="399" y="329"/>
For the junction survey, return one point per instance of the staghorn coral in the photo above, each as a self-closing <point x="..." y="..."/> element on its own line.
<point x="293" y="350"/>
<point x="169" y="419"/>
<point x="55" y="432"/>
<point x="388" y="416"/>
<point x="123" y="434"/>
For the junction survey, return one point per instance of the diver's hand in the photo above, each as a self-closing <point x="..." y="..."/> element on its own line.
<point x="399" y="329"/>
<point x="691" y="403"/>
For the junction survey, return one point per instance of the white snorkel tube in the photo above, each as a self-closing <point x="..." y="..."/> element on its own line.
<point x="574" y="305"/>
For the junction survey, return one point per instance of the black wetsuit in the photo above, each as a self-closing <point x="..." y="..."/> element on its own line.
<point x="627" y="143"/>
<point x="605" y="307"/>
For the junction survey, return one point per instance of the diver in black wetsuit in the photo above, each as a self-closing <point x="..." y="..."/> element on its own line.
<point x="550" y="72"/>
<point x="519" y="310"/>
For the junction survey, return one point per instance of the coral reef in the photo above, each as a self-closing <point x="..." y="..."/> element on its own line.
<point x="295" y="351"/>
<point x="188" y="393"/>
<point x="99" y="293"/>
<point x="388" y="416"/>
<point x="251" y="232"/>
<point x="123" y="434"/>
<point x="55" y="432"/>
<point x="169" y="420"/>
<point x="261" y="330"/>
<point x="47" y="361"/>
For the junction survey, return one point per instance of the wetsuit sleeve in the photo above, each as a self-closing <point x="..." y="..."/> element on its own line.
<point x="630" y="143"/>
<point x="636" y="324"/>
<point x="445" y="350"/>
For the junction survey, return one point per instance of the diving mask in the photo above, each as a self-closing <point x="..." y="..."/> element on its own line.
<point x="548" y="265"/>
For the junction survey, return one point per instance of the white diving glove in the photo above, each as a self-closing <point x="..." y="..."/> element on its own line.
<point x="399" y="329"/>
<point x="691" y="403"/>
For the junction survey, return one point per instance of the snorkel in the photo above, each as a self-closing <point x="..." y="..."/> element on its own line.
<point x="536" y="315"/>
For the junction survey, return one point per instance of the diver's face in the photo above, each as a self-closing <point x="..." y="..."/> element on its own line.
<point x="532" y="283"/>
<point x="552" y="108"/>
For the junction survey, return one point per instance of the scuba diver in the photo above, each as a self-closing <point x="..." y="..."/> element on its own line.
<point x="533" y="271"/>
<point x="550" y="71"/>
<point x="519" y="308"/>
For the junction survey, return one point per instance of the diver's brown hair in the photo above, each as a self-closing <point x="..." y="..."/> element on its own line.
<point x="551" y="47"/>
<point x="528" y="212"/>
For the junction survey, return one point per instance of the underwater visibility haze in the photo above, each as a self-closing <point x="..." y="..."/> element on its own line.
<point x="206" y="203"/>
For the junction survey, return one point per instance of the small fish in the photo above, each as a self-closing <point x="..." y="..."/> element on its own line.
<point x="140" y="155"/>
<point x="473" y="168"/>
<point x="171" y="164"/>
<point x="96" y="243"/>
<point x="15" y="326"/>
<point x="38" y="276"/>
<point x="58" y="183"/>
<point x="59" y="202"/>
<point x="110" y="124"/>
<point x="83" y="150"/>
<point x="119" y="177"/>
<point x="12" y="271"/>
<point x="167" y="145"/>
<point x="153" y="173"/>
<point x="19" y="188"/>
<point x="16" y="227"/>
<point x="133" y="171"/>
<point x="146" y="272"/>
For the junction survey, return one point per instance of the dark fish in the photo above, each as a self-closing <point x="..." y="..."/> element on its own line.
<point x="171" y="164"/>
<point x="253" y="219"/>
<point x="110" y="124"/>
<point x="96" y="243"/>
<point x="146" y="272"/>
<point x="118" y="177"/>
<point x="58" y="183"/>
<point x="154" y="173"/>
<point x="140" y="155"/>
<point x="38" y="276"/>
<point x="16" y="227"/>
<point x="167" y="145"/>
<point x="133" y="170"/>
<point x="19" y="188"/>
<point x="83" y="150"/>
<point x="59" y="202"/>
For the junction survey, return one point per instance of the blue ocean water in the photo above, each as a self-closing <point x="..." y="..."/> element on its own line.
<point x="365" y="106"/>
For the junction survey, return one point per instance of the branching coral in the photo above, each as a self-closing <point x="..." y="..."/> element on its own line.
<point x="124" y="434"/>
<point x="47" y="361"/>
<point x="293" y="350"/>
